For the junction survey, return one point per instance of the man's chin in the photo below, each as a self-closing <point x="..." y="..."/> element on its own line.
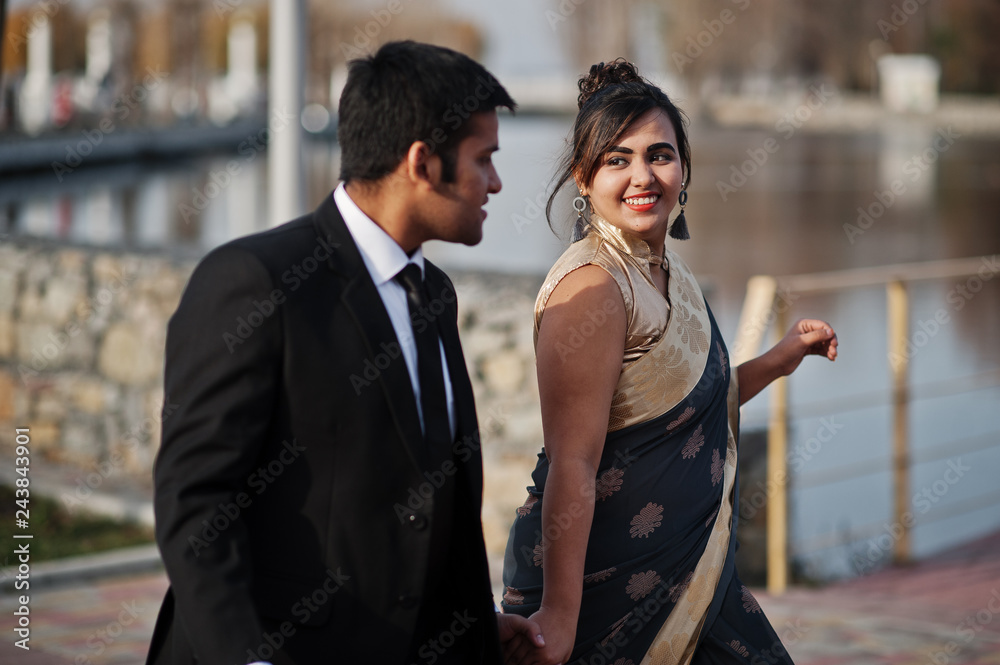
<point x="472" y="238"/>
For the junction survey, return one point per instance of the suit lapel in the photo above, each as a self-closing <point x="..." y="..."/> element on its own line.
<point x="361" y="299"/>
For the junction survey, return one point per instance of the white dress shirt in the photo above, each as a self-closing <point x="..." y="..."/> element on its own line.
<point x="384" y="258"/>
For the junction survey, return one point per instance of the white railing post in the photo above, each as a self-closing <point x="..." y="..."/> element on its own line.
<point x="286" y="186"/>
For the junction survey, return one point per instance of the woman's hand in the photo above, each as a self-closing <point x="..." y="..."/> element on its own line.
<point x="559" y="632"/>
<point x="807" y="337"/>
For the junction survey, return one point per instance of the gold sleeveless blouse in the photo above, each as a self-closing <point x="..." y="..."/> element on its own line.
<point x="666" y="340"/>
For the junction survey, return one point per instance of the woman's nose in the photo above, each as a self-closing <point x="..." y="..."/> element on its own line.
<point x="642" y="173"/>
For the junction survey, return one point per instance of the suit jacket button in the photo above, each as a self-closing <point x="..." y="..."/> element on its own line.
<point x="419" y="522"/>
<point x="407" y="602"/>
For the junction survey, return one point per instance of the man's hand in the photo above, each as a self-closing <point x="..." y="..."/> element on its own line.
<point x="518" y="635"/>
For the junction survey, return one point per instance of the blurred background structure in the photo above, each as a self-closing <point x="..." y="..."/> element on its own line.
<point x="846" y="152"/>
<point x="65" y="64"/>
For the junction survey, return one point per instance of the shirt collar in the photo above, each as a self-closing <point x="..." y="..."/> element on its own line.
<point x="382" y="255"/>
<point x="627" y="243"/>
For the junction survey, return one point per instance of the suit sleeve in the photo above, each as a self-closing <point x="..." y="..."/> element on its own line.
<point x="221" y="379"/>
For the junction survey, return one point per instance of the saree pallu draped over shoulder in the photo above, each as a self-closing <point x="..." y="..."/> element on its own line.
<point x="660" y="583"/>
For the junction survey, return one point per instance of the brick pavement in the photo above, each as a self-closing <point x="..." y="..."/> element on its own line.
<point x="107" y="622"/>
<point x="942" y="611"/>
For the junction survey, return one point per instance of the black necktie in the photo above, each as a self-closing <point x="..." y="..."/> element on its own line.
<point x="433" y="403"/>
<point x="439" y="603"/>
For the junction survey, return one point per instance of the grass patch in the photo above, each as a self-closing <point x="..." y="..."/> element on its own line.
<point x="59" y="533"/>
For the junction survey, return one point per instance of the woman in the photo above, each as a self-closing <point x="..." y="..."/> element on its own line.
<point x="623" y="551"/>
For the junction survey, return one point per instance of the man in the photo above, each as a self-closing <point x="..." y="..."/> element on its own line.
<point x="319" y="485"/>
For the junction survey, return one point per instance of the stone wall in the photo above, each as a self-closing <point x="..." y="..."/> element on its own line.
<point x="81" y="340"/>
<point x="496" y="323"/>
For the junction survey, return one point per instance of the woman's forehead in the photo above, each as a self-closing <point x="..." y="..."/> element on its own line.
<point x="652" y="123"/>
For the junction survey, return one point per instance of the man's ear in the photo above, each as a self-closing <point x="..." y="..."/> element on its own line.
<point x="423" y="165"/>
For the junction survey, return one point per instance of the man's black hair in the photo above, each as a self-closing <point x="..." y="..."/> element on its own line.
<point x="406" y="92"/>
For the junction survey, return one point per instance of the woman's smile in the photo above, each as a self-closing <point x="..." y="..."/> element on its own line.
<point x="642" y="202"/>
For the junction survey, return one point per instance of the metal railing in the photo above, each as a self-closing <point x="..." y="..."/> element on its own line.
<point x="767" y="306"/>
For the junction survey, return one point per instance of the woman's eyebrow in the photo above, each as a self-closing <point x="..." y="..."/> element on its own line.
<point x="652" y="148"/>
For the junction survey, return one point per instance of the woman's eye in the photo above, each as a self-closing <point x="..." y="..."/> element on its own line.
<point x="663" y="157"/>
<point x="617" y="161"/>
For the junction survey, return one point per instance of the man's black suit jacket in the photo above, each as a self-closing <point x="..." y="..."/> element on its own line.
<point x="294" y="508"/>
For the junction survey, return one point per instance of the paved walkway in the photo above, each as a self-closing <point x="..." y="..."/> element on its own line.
<point x="107" y="622"/>
<point x="942" y="611"/>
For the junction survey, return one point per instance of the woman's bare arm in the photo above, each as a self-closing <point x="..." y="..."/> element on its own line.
<point x="579" y="355"/>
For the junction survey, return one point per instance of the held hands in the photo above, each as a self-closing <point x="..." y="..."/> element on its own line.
<point x="520" y="636"/>
<point x="555" y="649"/>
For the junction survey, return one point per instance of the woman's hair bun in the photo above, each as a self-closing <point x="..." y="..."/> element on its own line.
<point x="606" y="74"/>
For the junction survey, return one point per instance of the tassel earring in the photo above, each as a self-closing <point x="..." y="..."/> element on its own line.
<point x="580" y="204"/>
<point x="679" y="229"/>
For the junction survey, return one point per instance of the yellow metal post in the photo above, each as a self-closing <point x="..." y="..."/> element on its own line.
<point x="777" y="477"/>
<point x="899" y="362"/>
